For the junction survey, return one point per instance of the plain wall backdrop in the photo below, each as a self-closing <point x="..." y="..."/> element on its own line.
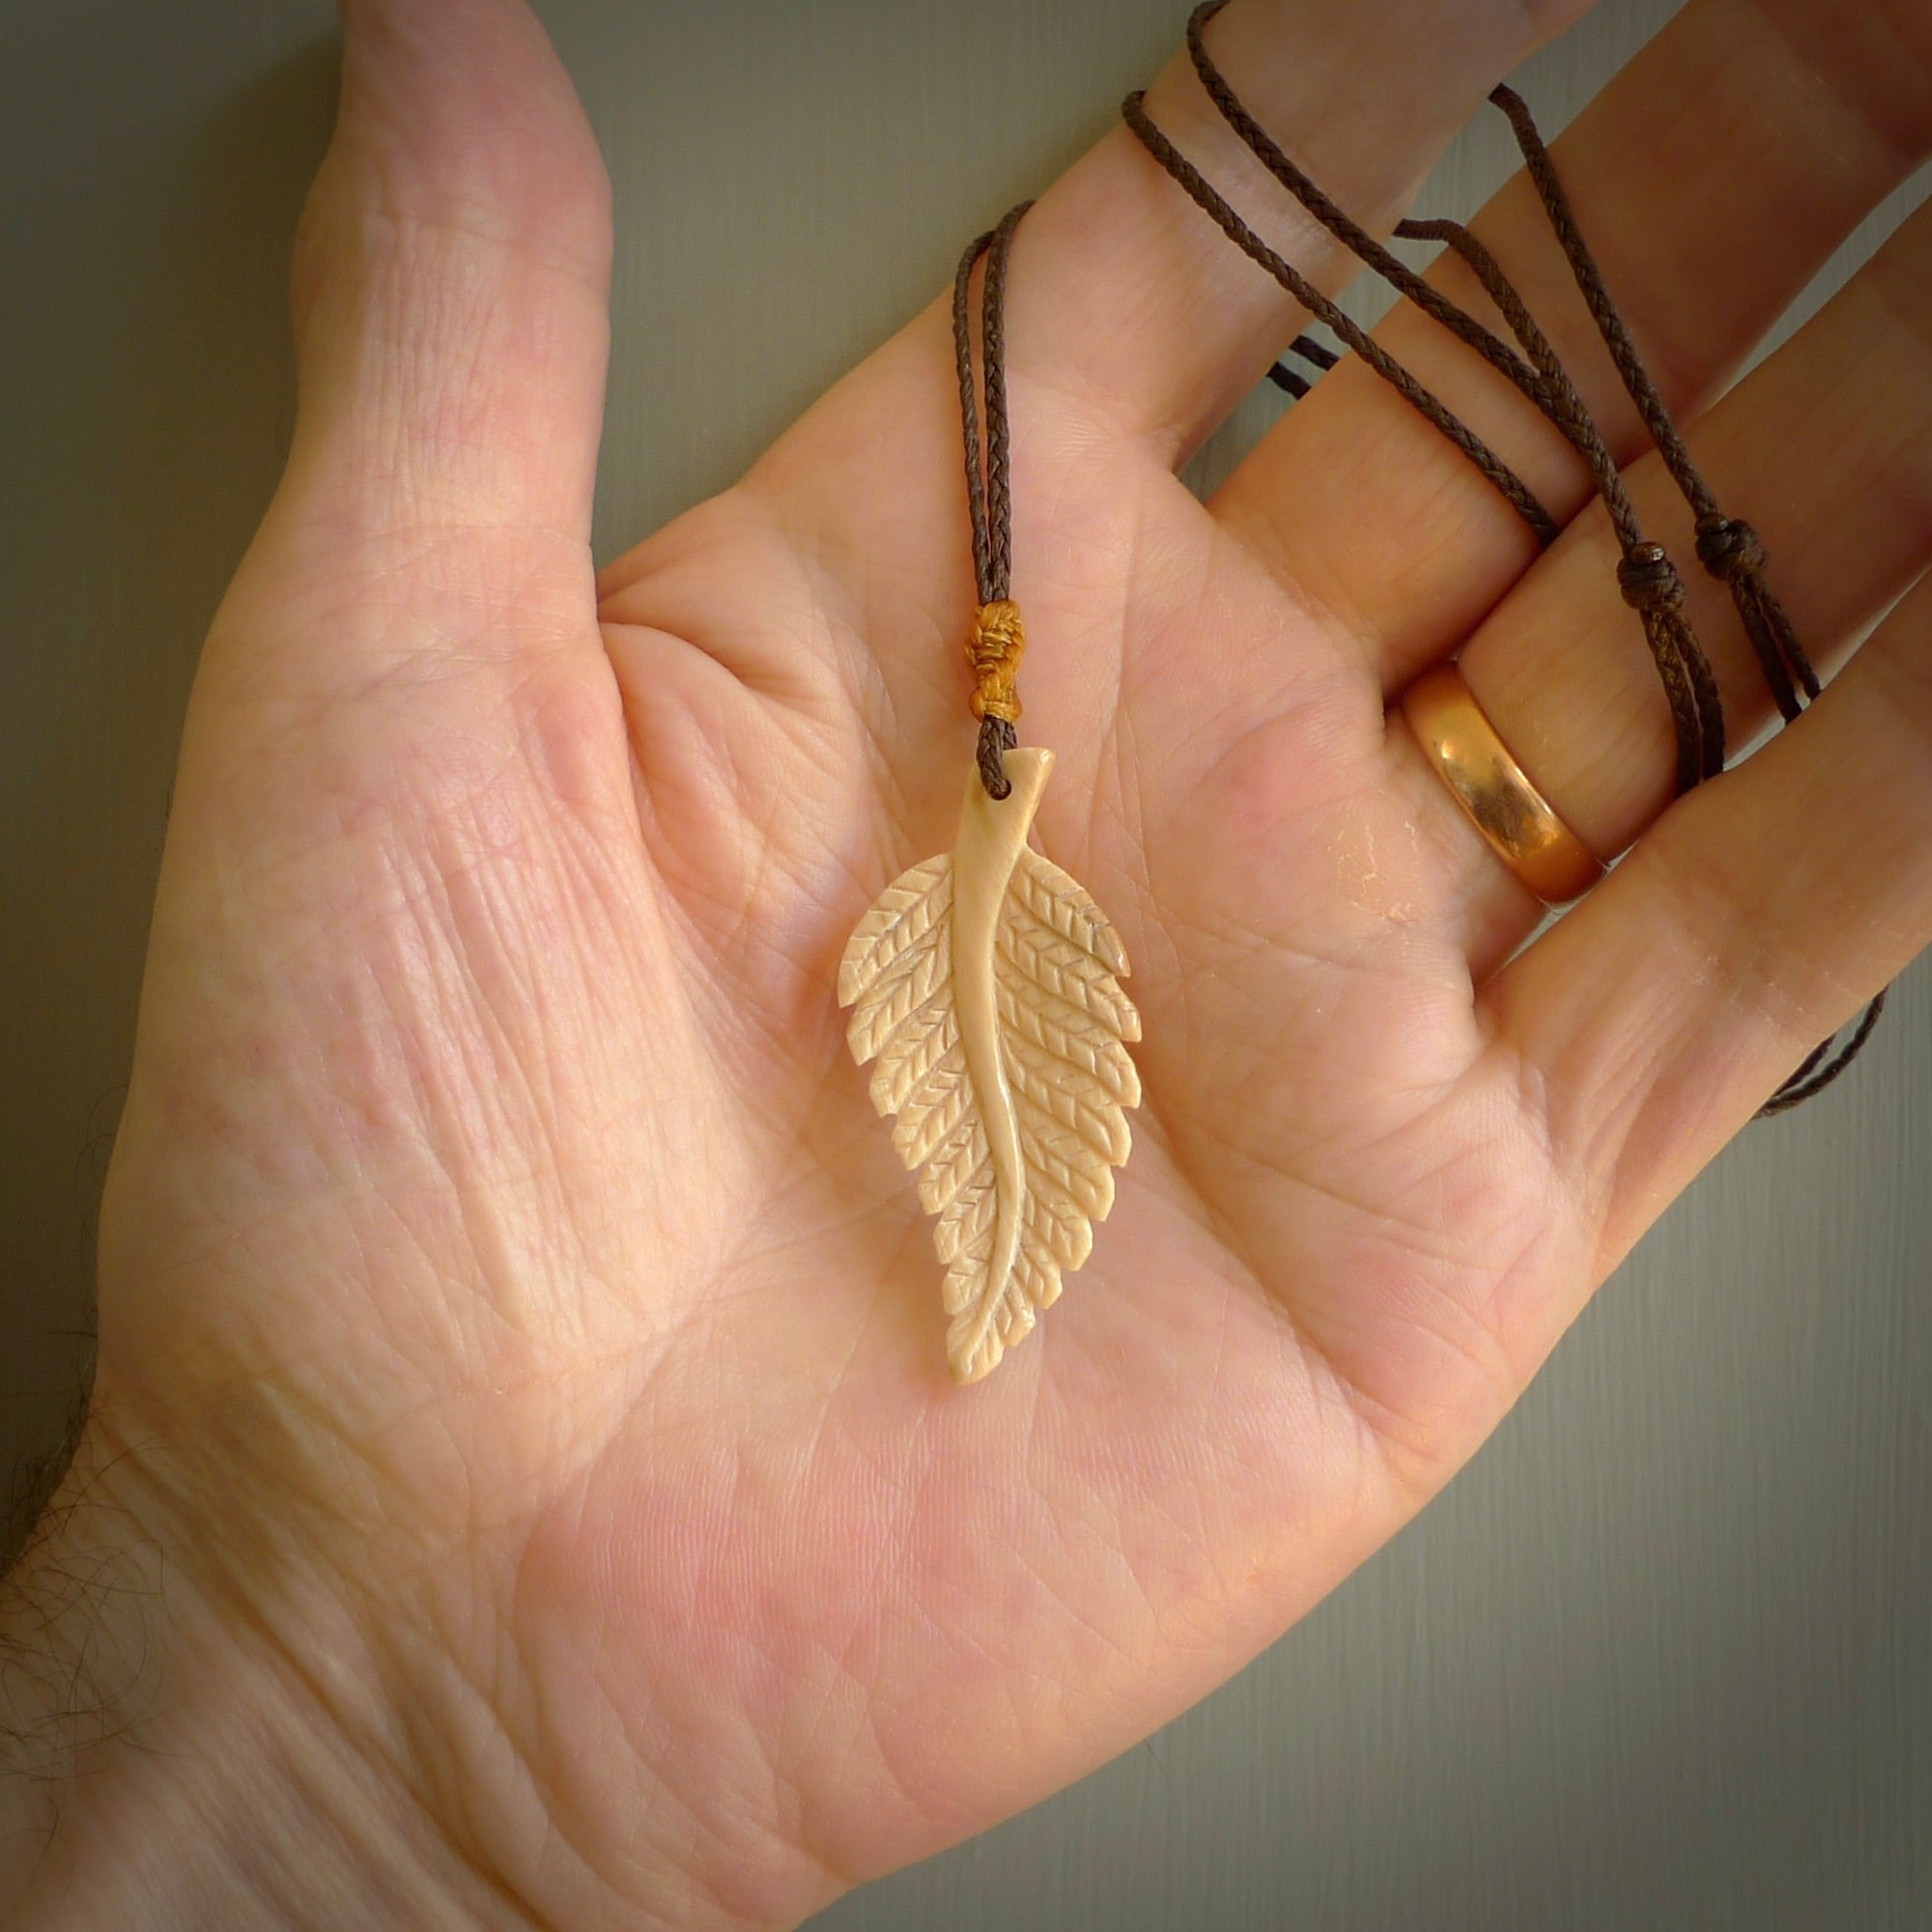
<point x="1662" y="1656"/>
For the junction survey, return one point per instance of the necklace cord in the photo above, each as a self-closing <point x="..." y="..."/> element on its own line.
<point x="1728" y="548"/>
<point x="1501" y="477"/>
<point x="998" y="639"/>
<point x="1646" y="577"/>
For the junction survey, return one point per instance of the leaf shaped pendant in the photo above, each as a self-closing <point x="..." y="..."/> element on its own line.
<point x="985" y="982"/>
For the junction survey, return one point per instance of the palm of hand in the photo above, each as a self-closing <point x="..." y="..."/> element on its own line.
<point x="588" y="1256"/>
<point x="495" y="1191"/>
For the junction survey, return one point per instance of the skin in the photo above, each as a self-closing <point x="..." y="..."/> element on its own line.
<point x="523" y="1487"/>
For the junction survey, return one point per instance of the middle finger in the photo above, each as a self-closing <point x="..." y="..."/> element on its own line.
<point x="1709" y="212"/>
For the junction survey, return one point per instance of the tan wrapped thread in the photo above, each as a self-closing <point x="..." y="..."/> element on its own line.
<point x="994" y="650"/>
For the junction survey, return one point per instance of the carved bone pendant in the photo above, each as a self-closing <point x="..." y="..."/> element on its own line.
<point x="985" y="984"/>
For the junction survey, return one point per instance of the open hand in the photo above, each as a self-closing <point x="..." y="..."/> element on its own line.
<point x="518" y="1338"/>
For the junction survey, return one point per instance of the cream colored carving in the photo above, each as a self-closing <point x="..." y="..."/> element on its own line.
<point x="985" y="984"/>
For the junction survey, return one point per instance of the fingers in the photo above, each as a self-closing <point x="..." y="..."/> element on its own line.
<point x="450" y="281"/>
<point x="1127" y="314"/>
<point x="1136" y="305"/>
<point x="1830" y="443"/>
<point x="1712" y="178"/>
<point x="1758" y="916"/>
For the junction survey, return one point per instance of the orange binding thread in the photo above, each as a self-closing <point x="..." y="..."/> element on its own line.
<point x="994" y="650"/>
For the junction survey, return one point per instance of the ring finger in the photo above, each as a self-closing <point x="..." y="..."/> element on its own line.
<point x="1828" y="446"/>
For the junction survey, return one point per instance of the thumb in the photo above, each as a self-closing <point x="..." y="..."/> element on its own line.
<point x="452" y="282"/>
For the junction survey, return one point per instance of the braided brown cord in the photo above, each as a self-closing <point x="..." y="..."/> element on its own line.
<point x="1309" y="351"/>
<point x="1646" y="576"/>
<point x="1810" y="1079"/>
<point x="998" y="639"/>
<point x="1727" y="547"/>
<point x="999" y="437"/>
<point x="1349" y="232"/>
<point x="1500" y="475"/>
<point x="968" y="408"/>
<point x="1648" y="580"/>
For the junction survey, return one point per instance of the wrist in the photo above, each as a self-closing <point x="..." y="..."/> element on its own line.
<point x="172" y="1759"/>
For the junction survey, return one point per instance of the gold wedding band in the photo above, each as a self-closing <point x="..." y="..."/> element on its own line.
<point x="1494" y="790"/>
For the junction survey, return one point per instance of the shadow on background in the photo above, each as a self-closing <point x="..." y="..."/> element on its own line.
<point x="146" y="400"/>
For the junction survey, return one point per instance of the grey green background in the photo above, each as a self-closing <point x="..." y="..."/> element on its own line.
<point x="1661" y="1657"/>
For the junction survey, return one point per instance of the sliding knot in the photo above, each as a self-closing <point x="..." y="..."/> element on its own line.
<point x="1649" y="579"/>
<point x="994" y="651"/>
<point x="1728" y="547"/>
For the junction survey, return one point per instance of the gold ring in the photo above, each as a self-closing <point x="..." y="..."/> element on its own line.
<point x="1494" y="790"/>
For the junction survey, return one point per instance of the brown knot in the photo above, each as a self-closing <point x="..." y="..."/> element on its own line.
<point x="1728" y="547"/>
<point x="1649" y="579"/>
<point x="994" y="650"/>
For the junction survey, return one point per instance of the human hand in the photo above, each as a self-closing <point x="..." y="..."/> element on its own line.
<point x="517" y="1335"/>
